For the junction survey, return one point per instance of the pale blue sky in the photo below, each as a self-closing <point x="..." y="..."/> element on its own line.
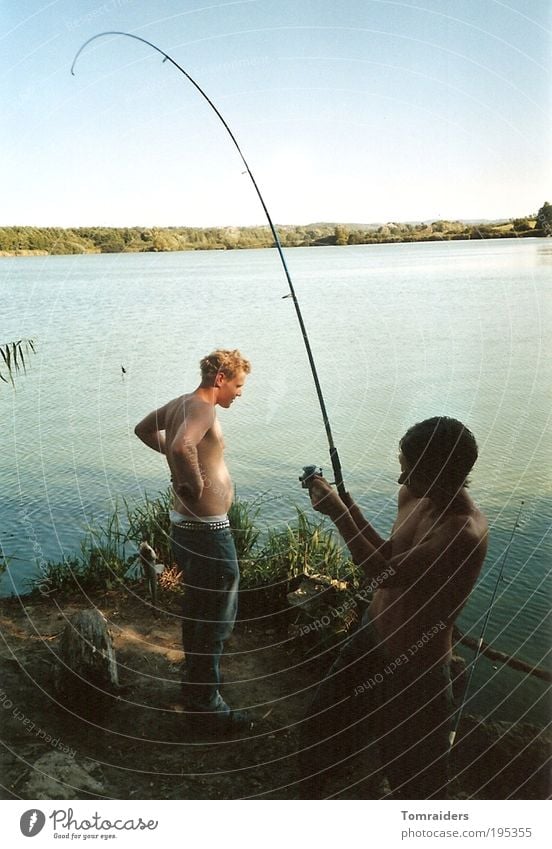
<point x="347" y="110"/>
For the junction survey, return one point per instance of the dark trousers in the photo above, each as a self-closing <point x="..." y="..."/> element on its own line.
<point x="369" y="699"/>
<point x="210" y="575"/>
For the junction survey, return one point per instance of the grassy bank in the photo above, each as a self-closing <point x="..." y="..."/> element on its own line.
<point x="270" y="560"/>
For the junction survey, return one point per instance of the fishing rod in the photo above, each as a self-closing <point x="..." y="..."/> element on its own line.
<point x="454" y="732"/>
<point x="334" y="456"/>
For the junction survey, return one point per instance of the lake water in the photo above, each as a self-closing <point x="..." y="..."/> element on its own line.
<point x="399" y="333"/>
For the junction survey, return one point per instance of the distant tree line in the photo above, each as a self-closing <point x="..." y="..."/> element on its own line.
<point x="81" y="240"/>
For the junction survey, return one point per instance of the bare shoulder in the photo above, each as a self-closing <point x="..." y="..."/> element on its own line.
<point x="195" y="407"/>
<point x="468" y="529"/>
<point x="405" y="497"/>
<point x="188" y="422"/>
<point x="189" y="406"/>
<point x="470" y="517"/>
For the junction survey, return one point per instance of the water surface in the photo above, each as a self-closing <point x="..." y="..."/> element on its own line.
<point x="399" y="333"/>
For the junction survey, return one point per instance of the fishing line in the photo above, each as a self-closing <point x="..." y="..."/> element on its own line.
<point x="334" y="457"/>
<point x="453" y="733"/>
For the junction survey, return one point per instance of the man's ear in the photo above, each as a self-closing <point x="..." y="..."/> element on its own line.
<point x="220" y="377"/>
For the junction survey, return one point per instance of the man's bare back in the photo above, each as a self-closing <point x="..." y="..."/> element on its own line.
<point x="437" y="555"/>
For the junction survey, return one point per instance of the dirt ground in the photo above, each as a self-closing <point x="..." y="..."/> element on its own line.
<point x="139" y="746"/>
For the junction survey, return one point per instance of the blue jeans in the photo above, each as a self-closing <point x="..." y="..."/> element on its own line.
<point x="369" y="699"/>
<point x="210" y="575"/>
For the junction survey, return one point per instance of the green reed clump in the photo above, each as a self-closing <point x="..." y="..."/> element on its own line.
<point x="101" y="562"/>
<point x="303" y="547"/>
<point x="149" y="522"/>
<point x="103" y="552"/>
<point x="242" y="516"/>
<point x="61" y="577"/>
<point x="306" y="547"/>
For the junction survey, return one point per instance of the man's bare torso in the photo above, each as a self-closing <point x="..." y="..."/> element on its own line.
<point x="416" y="618"/>
<point x="217" y="494"/>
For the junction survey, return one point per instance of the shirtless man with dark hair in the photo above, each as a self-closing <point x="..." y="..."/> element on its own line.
<point x="391" y="679"/>
<point x="187" y="432"/>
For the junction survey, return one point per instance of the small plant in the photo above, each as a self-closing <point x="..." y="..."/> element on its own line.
<point x="242" y="516"/>
<point x="150" y="522"/>
<point x="60" y="577"/>
<point x="170" y="580"/>
<point x="275" y="566"/>
<point x="303" y="548"/>
<point x="103" y="553"/>
<point x="100" y="564"/>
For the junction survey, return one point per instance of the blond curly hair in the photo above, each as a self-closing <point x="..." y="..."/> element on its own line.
<point x="222" y="360"/>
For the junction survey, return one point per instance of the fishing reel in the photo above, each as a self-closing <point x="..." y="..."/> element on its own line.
<point x="308" y="474"/>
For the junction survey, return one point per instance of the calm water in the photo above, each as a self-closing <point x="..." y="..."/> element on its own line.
<point x="399" y="333"/>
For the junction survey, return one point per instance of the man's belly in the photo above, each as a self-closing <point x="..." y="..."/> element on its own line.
<point x="216" y="498"/>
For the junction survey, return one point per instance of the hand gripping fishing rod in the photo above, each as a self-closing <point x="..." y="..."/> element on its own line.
<point x="454" y="732"/>
<point x="334" y="457"/>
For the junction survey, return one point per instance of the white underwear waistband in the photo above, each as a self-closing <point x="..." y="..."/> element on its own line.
<point x="177" y="519"/>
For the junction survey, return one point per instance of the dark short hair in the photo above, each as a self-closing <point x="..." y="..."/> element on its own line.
<point x="440" y="450"/>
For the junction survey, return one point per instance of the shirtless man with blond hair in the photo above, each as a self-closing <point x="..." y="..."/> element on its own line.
<point x="188" y="433"/>
<point x="391" y="680"/>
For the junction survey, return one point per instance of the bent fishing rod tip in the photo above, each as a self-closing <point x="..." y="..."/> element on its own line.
<point x="333" y="450"/>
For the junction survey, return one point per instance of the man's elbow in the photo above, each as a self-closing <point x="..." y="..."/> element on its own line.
<point x="146" y="435"/>
<point x="183" y="449"/>
<point x="139" y="431"/>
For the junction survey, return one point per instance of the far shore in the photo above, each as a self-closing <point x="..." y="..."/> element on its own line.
<point x="57" y="241"/>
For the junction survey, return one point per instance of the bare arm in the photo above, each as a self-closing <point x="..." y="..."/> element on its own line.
<point x="188" y="481"/>
<point x="151" y="430"/>
<point x="453" y="541"/>
<point x="368" y="549"/>
<point x="364" y="525"/>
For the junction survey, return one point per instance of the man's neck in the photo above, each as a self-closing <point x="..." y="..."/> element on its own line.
<point x="207" y="394"/>
<point x="455" y="502"/>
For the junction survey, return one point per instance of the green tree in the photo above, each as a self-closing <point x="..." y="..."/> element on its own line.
<point x="110" y="241"/>
<point x="544" y="219"/>
<point x="519" y="225"/>
<point x="341" y="235"/>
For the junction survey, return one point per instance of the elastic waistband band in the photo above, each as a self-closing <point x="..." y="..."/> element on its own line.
<point x="203" y="526"/>
<point x="176" y="518"/>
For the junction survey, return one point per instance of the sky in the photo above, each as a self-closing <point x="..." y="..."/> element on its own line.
<point x="353" y="111"/>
